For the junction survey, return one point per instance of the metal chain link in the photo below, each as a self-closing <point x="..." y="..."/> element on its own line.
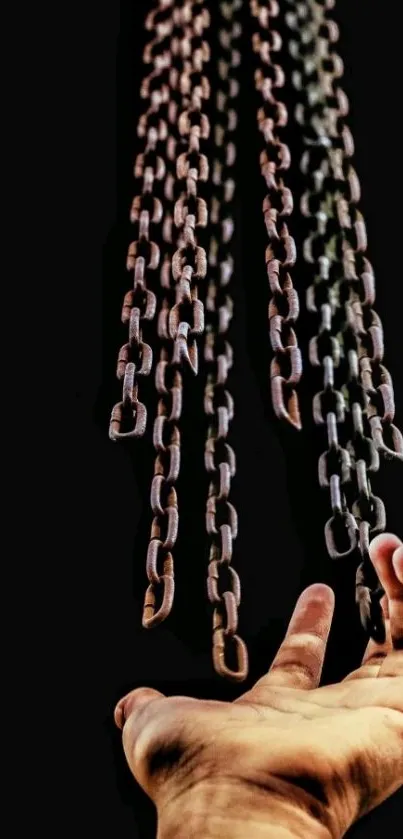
<point x="223" y="583"/>
<point x="350" y="338"/>
<point x="275" y="160"/>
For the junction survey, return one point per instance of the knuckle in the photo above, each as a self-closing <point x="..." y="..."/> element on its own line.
<point x="296" y="667"/>
<point x="162" y="743"/>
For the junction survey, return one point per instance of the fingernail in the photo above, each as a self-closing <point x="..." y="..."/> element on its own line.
<point x="118" y="715"/>
<point x="123" y="710"/>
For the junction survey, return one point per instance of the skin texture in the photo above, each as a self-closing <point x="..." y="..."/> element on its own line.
<point x="288" y="758"/>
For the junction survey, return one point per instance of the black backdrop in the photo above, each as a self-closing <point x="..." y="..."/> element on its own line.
<point x="281" y="511"/>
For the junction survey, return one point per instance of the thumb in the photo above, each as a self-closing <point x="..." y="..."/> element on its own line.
<point x="133" y="701"/>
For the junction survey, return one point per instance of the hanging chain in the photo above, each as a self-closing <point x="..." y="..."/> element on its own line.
<point x="168" y="380"/>
<point x="157" y="125"/>
<point x="181" y="318"/>
<point x="223" y="583"/>
<point x="275" y="160"/>
<point x="139" y="305"/>
<point x="349" y="344"/>
<point x="174" y="126"/>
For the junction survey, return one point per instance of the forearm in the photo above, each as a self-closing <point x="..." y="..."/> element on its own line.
<point x="235" y="815"/>
<point x="224" y="826"/>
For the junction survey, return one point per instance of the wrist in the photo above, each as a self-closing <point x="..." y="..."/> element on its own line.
<point x="233" y="811"/>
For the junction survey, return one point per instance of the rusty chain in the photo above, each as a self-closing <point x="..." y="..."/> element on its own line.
<point x="166" y="432"/>
<point x="164" y="312"/>
<point x="181" y="318"/>
<point x="139" y="306"/>
<point x="135" y="357"/>
<point x="275" y="160"/>
<point x="349" y="343"/>
<point x="173" y="125"/>
<point x="156" y="125"/>
<point x="223" y="583"/>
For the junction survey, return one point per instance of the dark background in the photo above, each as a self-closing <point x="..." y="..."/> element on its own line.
<point x="281" y="511"/>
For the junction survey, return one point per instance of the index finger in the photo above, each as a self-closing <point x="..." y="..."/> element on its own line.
<point x="299" y="661"/>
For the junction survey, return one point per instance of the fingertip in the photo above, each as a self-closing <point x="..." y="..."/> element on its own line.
<point x="383" y="545"/>
<point x="319" y="593"/>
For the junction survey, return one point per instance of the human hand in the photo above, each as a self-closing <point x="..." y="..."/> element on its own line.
<point x="288" y="758"/>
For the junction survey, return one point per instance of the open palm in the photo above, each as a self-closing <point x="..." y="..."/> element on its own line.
<point x="328" y="753"/>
